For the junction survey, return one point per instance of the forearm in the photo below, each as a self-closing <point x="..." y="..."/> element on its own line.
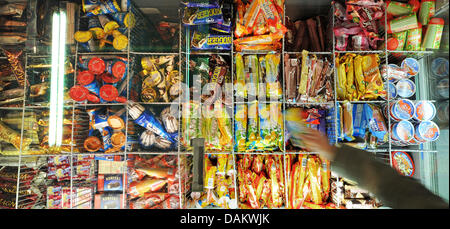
<point x="392" y="189"/>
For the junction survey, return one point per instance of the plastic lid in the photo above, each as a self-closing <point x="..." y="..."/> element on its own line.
<point x="108" y="78"/>
<point x="403" y="163"/>
<point x="392" y="43"/>
<point x="96" y="65"/>
<point x="427" y="130"/>
<point x="118" y="139"/>
<point x="436" y="21"/>
<point x="108" y="92"/>
<point x="118" y="69"/>
<point x="425" y="110"/>
<point x="403" y="109"/>
<point x="78" y="93"/>
<point x="404" y="130"/>
<point x="92" y="144"/>
<point x="120" y="42"/>
<point x="85" y="78"/>
<point x="405" y="88"/>
<point x="115" y="122"/>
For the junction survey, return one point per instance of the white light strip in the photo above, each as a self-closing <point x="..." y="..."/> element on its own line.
<point x="61" y="78"/>
<point x="54" y="80"/>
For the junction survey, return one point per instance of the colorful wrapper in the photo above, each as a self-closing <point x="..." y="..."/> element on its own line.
<point x="239" y="84"/>
<point x="376" y="122"/>
<point x="240" y="127"/>
<point x="252" y="126"/>
<point x="106" y="7"/>
<point x="224" y="124"/>
<point x="274" y="90"/>
<point x="149" y="122"/>
<point x="201" y="3"/>
<point x="265" y="141"/>
<point x="350" y="85"/>
<point x="414" y="39"/>
<point x="252" y="76"/>
<point x="204" y="41"/>
<point x="372" y="76"/>
<point x="201" y="16"/>
<point x="359" y="121"/>
<point x="347" y="113"/>
<point x="359" y="77"/>
<point x="342" y="78"/>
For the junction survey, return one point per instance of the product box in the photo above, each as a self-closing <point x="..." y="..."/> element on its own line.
<point x="108" y="201"/>
<point x="110" y="183"/>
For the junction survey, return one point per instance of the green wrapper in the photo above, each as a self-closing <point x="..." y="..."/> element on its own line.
<point x="261" y="80"/>
<point x="252" y="126"/>
<point x="414" y="39"/>
<point x="398" y="8"/>
<point x="240" y="127"/>
<point x="276" y="121"/>
<point x="190" y="121"/>
<point x="210" y="129"/>
<point x="265" y="140"/>
<point x="224" y="125"/>
<point x="401" y="38"/>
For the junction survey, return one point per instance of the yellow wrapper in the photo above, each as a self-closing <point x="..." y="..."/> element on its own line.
<point x="222" y="163"/>
<point x="274" y="90"/>
<point x="359" y="77"/>
<point x="372" y="76"/>
<point x="342" y="79"/>
<point x="224" y="124"/>
<point x="239" y="84"/>
<point x="351" y="88"/>
<point x="347" y="113"/>
<point x="209" y="174"/>
<point x="304" y="73"/>
<point x="11" y="136"/>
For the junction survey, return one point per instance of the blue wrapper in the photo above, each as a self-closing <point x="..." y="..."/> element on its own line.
<point x="106" y="133"/>
<point x="339" y="132"/>
<point x="94" y="22"/>
<point x="91" y="113"/>
<point x="201" y="41"/>
<point x="149" y="122"/>
<point x="106" y="7"/>
<point x="200" y="3"/>
<point x="202" y="16"/>
<point x="359" y="120"/>
<point x="221" y="27"/>
<point x="89" y="5"/>
<point x="376" y="123"/>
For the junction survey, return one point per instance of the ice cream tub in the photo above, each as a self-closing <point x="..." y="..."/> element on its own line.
<point x="411" y="66"/>
<point x="427" y="131"/>
<point x="402" y="109"/>
<point x="439" y="67"/>
<point x="402" y="131"/>
<point x="405" y="88"/>
<point x="425" y="110"/>
<point x="390" y="88"/>
<point x="403" y="163"/>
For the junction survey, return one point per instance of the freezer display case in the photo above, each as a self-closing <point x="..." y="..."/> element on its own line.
<point x="134" y="104"/>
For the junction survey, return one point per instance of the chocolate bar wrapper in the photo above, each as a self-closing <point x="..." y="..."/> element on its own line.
<point x="312" y="32"/>
<point x="108" y="201"/>
<point x="16" y="65"/>
<point x="342" y="78"/>
<point x="200" y="16"/>
<point x="350" y="86"/>
<point x="204" y="41"/>
<point x="251" y="71"/>
<point x="239" y="84"/>
<point x="304" y="73"/>
<point x="201" y="3"/>
<point x="300" y="27"/>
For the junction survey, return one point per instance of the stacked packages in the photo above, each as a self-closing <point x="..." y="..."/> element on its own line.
<point x="357" y="26"/>
<point x="359" y="77"/>
<point x="219" y="189"/>
<point x="107" y="25"/>
<point x="259" y="25"/>
<point x="101" y="80"/>
<point x="405" y="22"/>
<point x="308" y="79"/>
<point x="261" y="181"/>
<point x="160" y="81"/>
<point x="307" y="34"/>
<point x="12" y="23"/>
<point x="154" y="182"/>
<point x="211" y="27"/>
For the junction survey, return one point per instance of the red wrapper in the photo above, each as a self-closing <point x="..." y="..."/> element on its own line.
<point x="172" y="202"/>
<point x="139" y="188"/>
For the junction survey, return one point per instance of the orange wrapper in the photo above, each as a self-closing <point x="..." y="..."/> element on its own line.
<point x="251" y="14"/>
<point x="265" y="193"/>
<point x="222" y="163"/>
<point x="268" y="39"/>
<point x="292" y="189"/>
<point x="252" y="198"/>
<point x="139" y="188"/>
<point x="247" y="161"/>
<point x="158" y="173"/>
<point x="325" y="175"/>
<point x="272" y="17"/>
<point x="275" y="192"/>
<point x="372" y="76"/>
<point x="259" y="185"/>
<point x="302" y="159"/>
<point x="257" y="165"/>
<point x="272" y="47"/>
<point x="316" y="193"/>
<point x="309" y="205"/>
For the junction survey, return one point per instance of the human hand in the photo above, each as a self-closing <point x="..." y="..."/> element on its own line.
<point x="315" y="141"/>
